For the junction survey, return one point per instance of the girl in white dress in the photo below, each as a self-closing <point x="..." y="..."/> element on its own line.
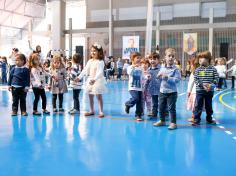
<point x="96" y="83"/>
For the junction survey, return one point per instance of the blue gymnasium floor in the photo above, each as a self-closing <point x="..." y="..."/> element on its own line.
<point x="61" y="144"/>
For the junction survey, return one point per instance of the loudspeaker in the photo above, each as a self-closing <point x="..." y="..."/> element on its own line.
<point x="79" y="50"/>
<point x="224" y="47"/>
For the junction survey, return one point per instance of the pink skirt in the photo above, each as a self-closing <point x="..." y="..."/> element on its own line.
<point x="191" y="102"/>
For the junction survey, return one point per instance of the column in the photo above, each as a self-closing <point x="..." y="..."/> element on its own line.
<point x="148" y="43"/>
<point x="158" y="28"/>
<point x="211" y="16"/>
<point x="70" y="37"/>
<point x="58" y="24"/>
<point x="110" y="28"/>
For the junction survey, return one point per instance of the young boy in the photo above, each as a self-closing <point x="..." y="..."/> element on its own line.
<point x="135" y="73"/>
<point x="169" y="76"/>
<point x="154" y="83"/>
<point x="19" y="82"/>
<point x="205" y="78"/>
<point x="76" y="85"/>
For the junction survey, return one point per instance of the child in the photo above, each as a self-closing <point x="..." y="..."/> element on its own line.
<point x="205" y="78"/>
<point x="126" y="65"/>
<point x="38" y="82"/>
<point x="46" y="67"/>
<point x="57" y="82"/>
<point x="191" y="90"/>
<point x="96" y="83"/>
<point x="68" y="70"/>
<point x="169" y="76"/>
<point x="3" y="65"/>
<point x="147" y="98"/>
<point x="119" y="65"/>
<point x="233" y="74"/>
<point x="135" y="73"/>
<point x="19" y="82"/>
<point x="154" y="83"/>
<point x="221" y="70"/>
<point x="76" y="85"/>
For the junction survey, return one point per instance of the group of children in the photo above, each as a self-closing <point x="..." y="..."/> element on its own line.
<point x="150" y="83"/>
<point x="30" y="72"/>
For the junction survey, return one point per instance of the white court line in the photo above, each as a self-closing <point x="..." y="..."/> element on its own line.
<point x="221" y="127"/>
<point x="182" y="94"/>
<point x="228" y="132"/>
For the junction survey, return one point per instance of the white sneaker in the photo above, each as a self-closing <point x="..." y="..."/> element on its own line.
<point x="74" y="111"/>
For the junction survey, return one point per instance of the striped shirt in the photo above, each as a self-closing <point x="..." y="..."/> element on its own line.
<point x="205" y="75"/>
<point x="74" y="73"/>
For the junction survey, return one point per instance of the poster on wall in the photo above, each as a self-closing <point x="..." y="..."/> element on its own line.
<point x="190" y="43"/>
<point x="130" y="44"/>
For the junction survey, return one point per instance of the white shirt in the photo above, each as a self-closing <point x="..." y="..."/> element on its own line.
<point x="191" y="84"/>
<point x="93" y="65"/>
<point x="221" y="70"/>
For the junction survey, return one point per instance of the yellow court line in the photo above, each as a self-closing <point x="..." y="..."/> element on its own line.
<point x="225" y="104"/>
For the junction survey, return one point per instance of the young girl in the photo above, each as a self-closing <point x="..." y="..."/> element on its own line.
<point x="135" y="72"/>
<point x="221" y="70"/>
<point x="38" y="82"/>
<point x="233" y="74"/>
<point x="192" y="89"/>
<point x="147" y="98"/>
<point x="96" y="83"/>
<point x="169" y="77"/>
<point x="19" y="82"/>
<point x="57" y="83"/>
<point x="126" y="65"/>
<point x="154" y="83"/>
<point x="76" y="85"/>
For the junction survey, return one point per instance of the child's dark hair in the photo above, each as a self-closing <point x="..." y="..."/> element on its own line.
<point x="206" y="55"/>
<point x="154" y="55"/>
<point x="77" y="58"/>
<point x="100" y="51"/>
<point x="22" y="57"/>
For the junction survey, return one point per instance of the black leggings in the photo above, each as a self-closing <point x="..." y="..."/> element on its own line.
<point x="54" y="100"/>
<point x="37" y="94"/>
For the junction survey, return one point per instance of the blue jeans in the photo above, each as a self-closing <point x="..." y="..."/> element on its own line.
<point x="119" y="73"/>
<point x="168" y="100"/>
<point x="76" y="99"/>
<point x="154" y="105"/>
<point x="201" y="97"/>
<point x="136" y="99"/>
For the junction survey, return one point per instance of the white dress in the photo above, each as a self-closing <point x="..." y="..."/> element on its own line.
<point x="94" y="69"/>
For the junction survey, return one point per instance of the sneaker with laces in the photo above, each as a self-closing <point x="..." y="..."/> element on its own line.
<point x="55" y="110"/>
<point x="172" y="126"/>
<point x="159" y="123"/>
<point x="14" y="113"/>
<point x="24" y="114"/>
<point x="36" y="113"/>
<point x="45" y="111"/>
<point x="61" y="110"/>
<point x="73" y="111"/>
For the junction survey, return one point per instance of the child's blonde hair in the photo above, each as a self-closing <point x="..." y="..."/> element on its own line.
<point x="170" y="50"/>
<point x="55" y="59"/>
